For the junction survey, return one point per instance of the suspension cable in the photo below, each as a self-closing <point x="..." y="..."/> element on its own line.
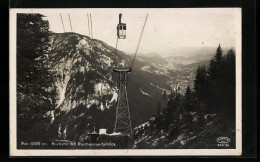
<point x="116" y="48"/>
<point x="70" y="23"/>
<point x="129" y="76"/>
<point x="91" y="26"/>
<point x="88" y="26"/>
<point x="139" y="42"/>
<point x="62" y="23"/>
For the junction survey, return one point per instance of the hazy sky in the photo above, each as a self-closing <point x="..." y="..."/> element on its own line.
<point x="165" y="30"/>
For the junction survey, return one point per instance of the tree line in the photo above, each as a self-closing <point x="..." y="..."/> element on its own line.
<point x="214" y="88"/>
<point x="34" y="94"/>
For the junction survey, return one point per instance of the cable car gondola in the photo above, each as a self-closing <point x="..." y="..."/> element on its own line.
<point x="121" y="29"/>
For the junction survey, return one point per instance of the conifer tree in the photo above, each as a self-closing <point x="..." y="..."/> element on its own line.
<point x="34" y="95"/>
<point x="201" y="85"/>
<point x="215" y="64"/>
<point x="158" y="104"/>
<point x="188" y="91"/>
<point x="217" y="81"/>
<point x="218" y="57"/>
<point x="32" y="43"/>
<point x="229" y="86"/>
<point x="215" y="88"/>
<point x="164" y="100"/>
<point x="189" y="100"/>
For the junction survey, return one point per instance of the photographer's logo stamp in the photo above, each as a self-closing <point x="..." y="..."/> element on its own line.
<point x="223" y="141"/>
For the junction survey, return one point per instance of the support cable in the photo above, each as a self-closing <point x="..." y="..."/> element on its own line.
<point x="139" y="42"/>
<point x="62" y="23"/>
<point x="88" y="27"/>
<point x="70" y="23"/>
<point x="91" y="26"/>
<point x="137" y="49"/>
<point x="114" y="62"/>
<point x="116" y="49"/>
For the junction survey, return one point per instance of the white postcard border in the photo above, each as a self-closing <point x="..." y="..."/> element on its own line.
<point x="119" y="152"/>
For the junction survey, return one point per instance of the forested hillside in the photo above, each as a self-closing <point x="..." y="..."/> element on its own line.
<point x="197" y="118"/>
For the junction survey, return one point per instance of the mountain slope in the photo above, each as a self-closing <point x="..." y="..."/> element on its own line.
<point x="186" y="131"/>
<point x="86" y="88"/>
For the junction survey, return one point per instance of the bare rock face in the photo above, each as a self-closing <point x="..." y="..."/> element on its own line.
<point x="81" y="67"/>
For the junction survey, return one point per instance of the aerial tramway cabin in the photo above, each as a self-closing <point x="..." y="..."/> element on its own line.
<point x="121" y="29"/>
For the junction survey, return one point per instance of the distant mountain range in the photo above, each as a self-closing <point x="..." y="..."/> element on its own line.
<point x="186" y="52"/>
